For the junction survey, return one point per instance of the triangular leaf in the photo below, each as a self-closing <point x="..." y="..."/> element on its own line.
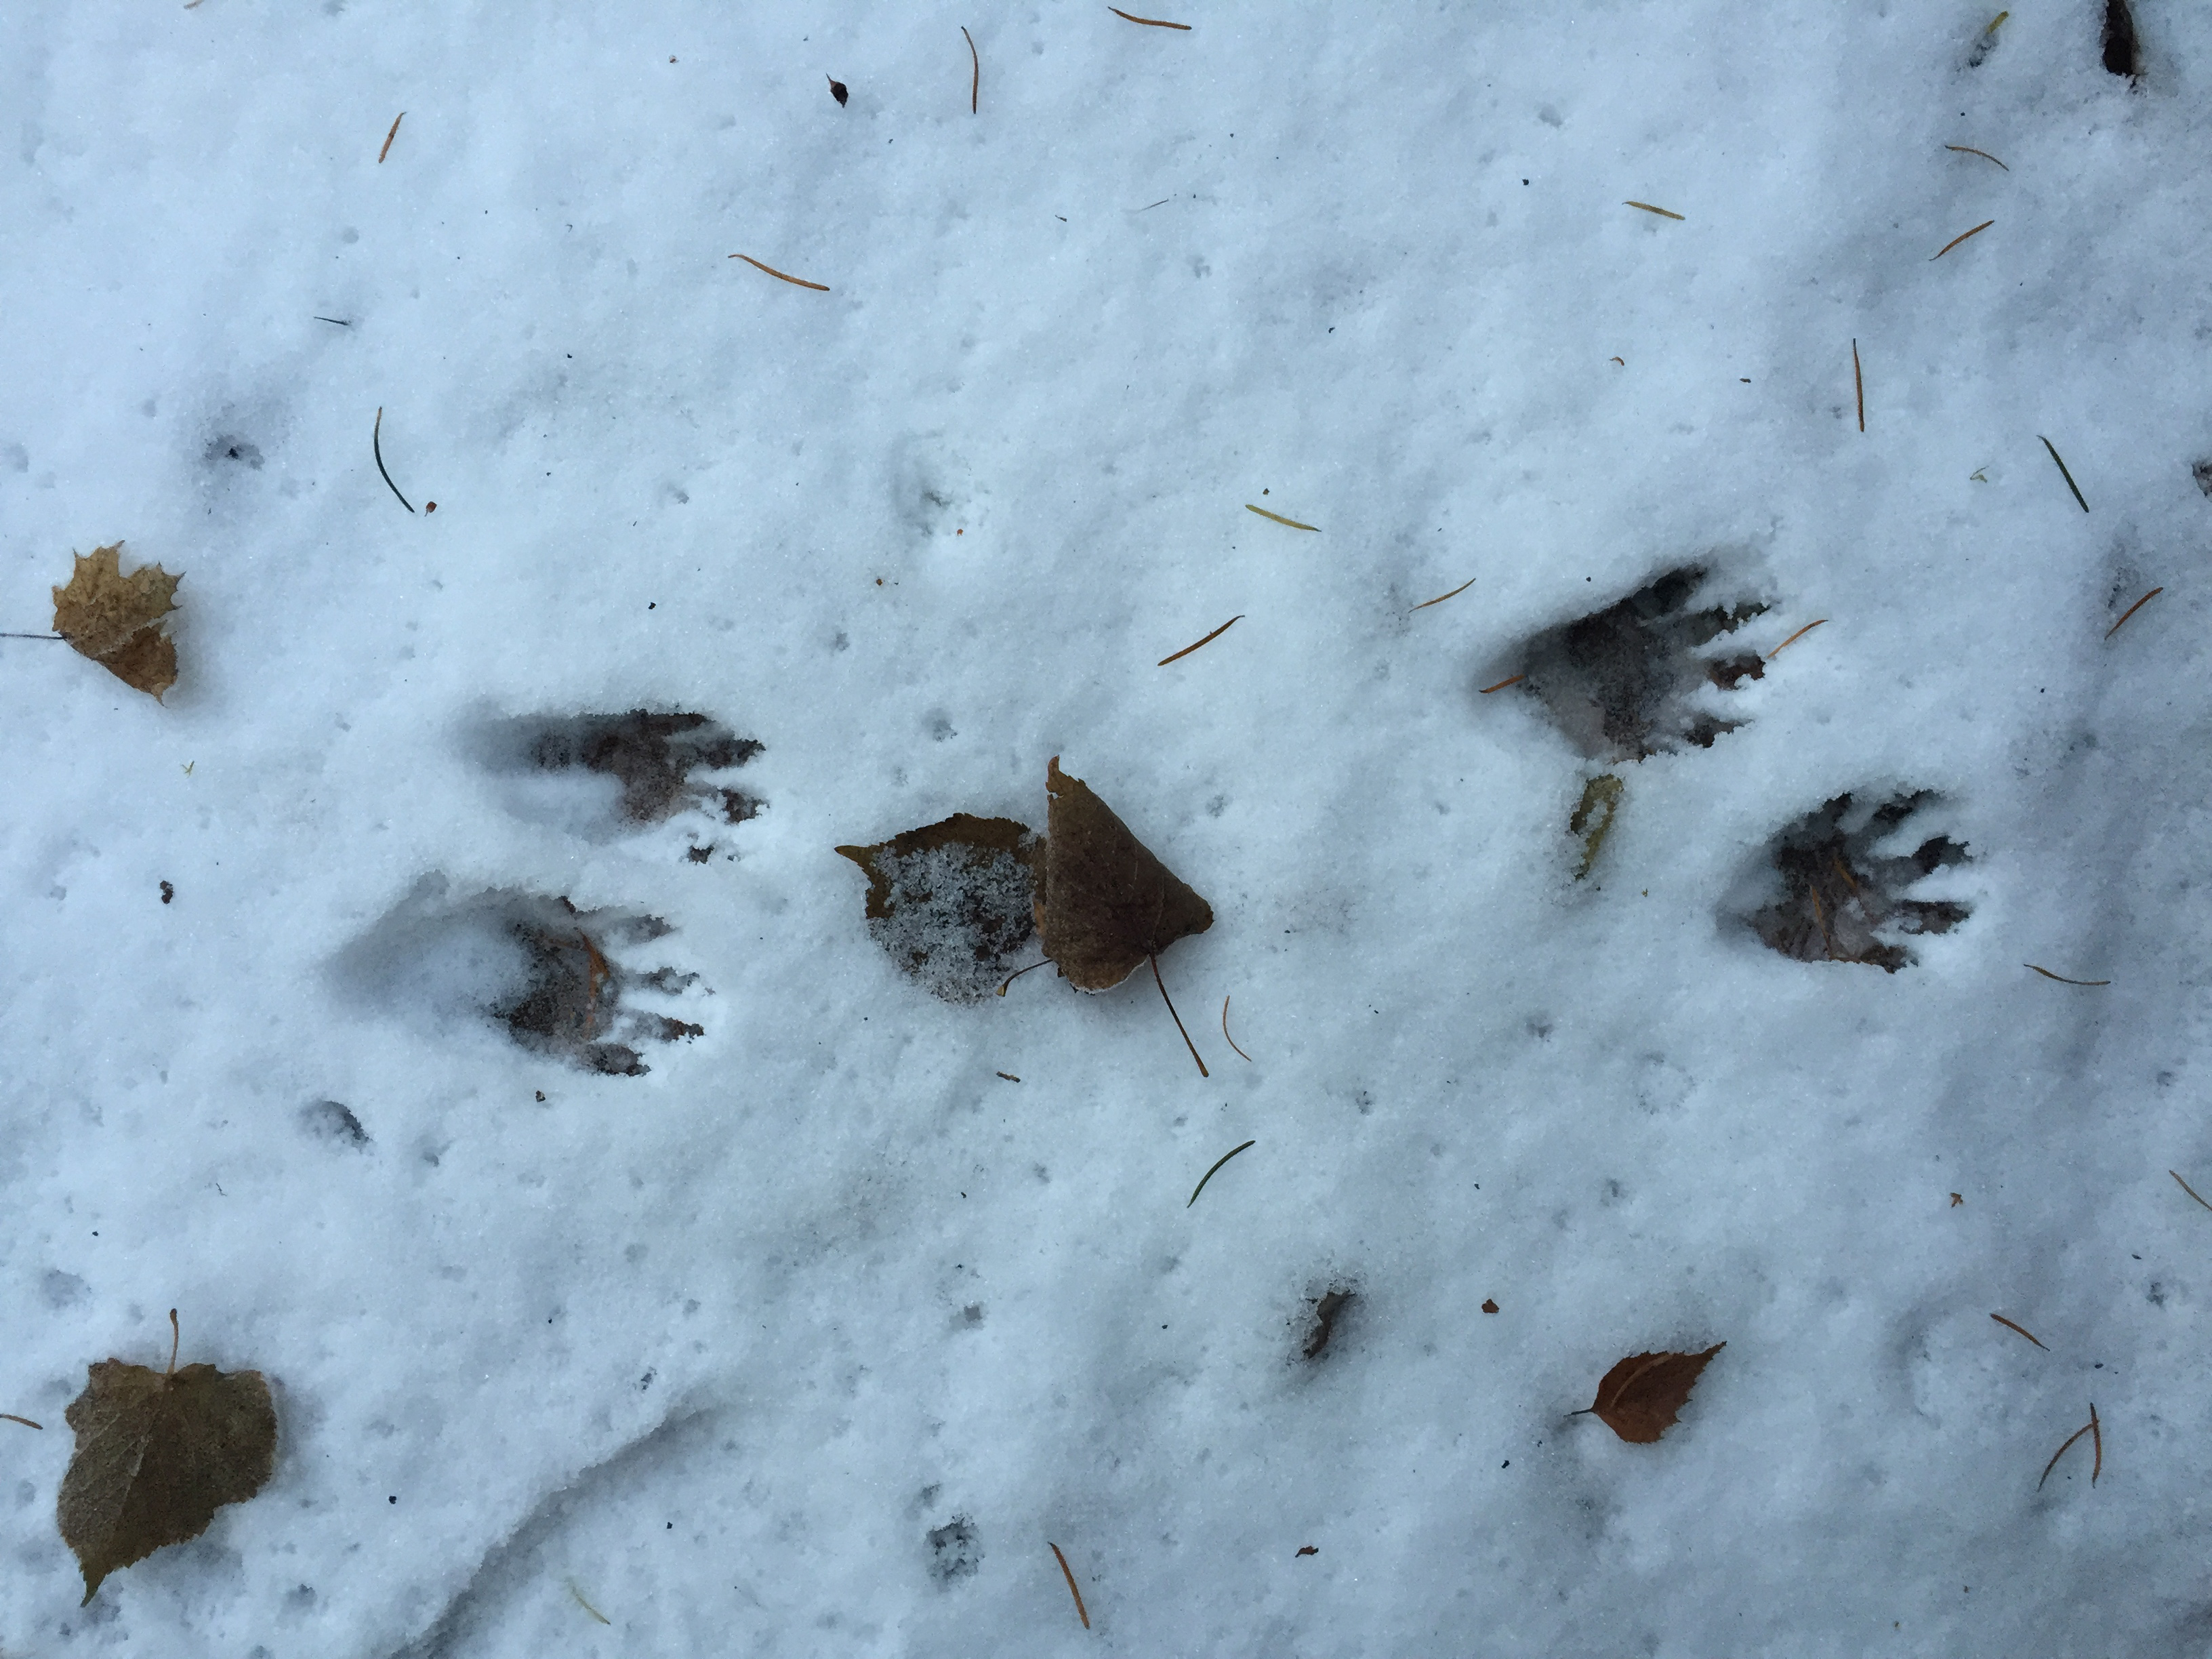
<point x="1107" y="904"/>
<point x="157" y="1454"/>
<point x="1640" y="1398"/>
<point x="115" y="619"/>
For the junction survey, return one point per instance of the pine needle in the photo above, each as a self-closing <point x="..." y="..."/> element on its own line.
<point x="25" y="1421"/>
<point x="1208" y="640"/>
<point x="1010" y="1077"/>
<point x="2062" y="1451"/>
<point x="2062" y="472"/>
<point x="1062" y="1560"/>
<point x="1968" y="150"/>
<point x="1263" y="512"/>
<point x="1218" y="1163"/>
<point x="1793" y="639"/>
<point x="975" y="86"/>
<point x="1440" y="597"/>
<point x="586" y="1606"/>
<point x="796" y="282"/>
<point x="2132" y="608"/>
<point x="1858" y="383"/>
<point x="1150" y="23"/>
<point x="1648" y="207"/>
<point x="2185" y="1187"/>
<point x="389" y="136"/>
<point x="1501" y="684"/>
<point x="1960" y="238"/>
<point x="2062" y="978"/>
<point x="376" y="446"/>
<point x="2097" y="1440"/>
<point x="2022" y="1330"/>
<point x="1228" y="1039"/>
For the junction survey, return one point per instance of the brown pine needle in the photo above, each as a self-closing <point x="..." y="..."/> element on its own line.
<point x="2022" y="1330"/>
<point x="1501" y="684"/>
<point x="2132" y="608"/>
<point x="376" y="448"/>
<point x="975" y="85"/>
<point x="2062" y="978"/>
<point x="2063" y="473"/>
<point x="2185" y="1187"/>
<point x="389" y="136"/>
<point x="1960" y="238"/>
<point x="586" y="1606"/>
<point x="1218" y="1163"/>
<point x="2097" y="1440"/>
<point x="25" y="1421"/>
<point x="1226" y="1038"/>
<point x="1793" y="639"/>
<point x="2062" y="1451"/>
<point x="1858" y="383"/>
<point x="796" y="282"/>
<point x="1277" y="517"/>
<point x="1176" y="1017"/>
<point x="1440" y="597"/>
<point x="1648" y="207"/>
<point x="1150" y="23"/>
<point x="1078" y="1594"/>
<point x="1968" y="150"/>
<point x="1208" y="640"/>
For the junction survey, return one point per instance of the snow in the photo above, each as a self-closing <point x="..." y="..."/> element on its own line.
<point x="721" y="1349"/>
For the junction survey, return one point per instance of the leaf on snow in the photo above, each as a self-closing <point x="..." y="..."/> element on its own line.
<point x="1107" y="903"/>
<point x="157" y="1454"/>
<point x="115" y="620"/>
<point x="952" y="900"/>
<point x="1640" y="1398"/>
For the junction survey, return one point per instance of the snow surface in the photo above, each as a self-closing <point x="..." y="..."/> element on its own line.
<point x="721" y="1349"/>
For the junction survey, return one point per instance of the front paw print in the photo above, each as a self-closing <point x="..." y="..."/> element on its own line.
<point x="1621" y="683"/>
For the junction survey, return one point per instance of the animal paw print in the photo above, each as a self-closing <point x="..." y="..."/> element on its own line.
<point x="655" y="760"/>
<point x="1839" y="890"/>
<point x="1622" y="683"/>
<point x="555" y="977"/>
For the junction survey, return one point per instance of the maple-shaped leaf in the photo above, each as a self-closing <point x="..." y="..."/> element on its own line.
<point x="157" y="1454"/>
<point x="115" y="620"/>
<point x="950" y="901"/>
<point x="1640" y="1398"/>
<point x="1106" y="905"/>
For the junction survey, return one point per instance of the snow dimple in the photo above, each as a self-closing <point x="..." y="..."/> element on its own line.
<point x="1839" y="890"/>
<point x="954" y="1551"/>
<point x="1621" y="682"/>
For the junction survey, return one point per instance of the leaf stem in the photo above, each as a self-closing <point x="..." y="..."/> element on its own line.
<point x="1177" y="1018"/>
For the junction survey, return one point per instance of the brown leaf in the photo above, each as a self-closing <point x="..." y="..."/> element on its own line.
<point x="952" y="900"/>
<point x="1639" y="1399"/>
<point x="1107" y="904"/>
<point x="157" y="1454"/>
<point x="837" y="91"/>
<point x="115" y="620"/>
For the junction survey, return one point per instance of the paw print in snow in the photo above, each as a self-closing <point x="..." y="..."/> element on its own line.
<point x="1621" y="683"/>
<point x="1839" y="890"/>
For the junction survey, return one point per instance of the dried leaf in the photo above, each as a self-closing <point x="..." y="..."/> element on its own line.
<point x="952" y="900"/>
<point x="838" y="91"/>
<point x="115" y="620"/>
<point x="1639" y="1399"/>
<point x="1107" y="904"/>
<point x="1593" y="818"/>
<point x="157" y="1454"/>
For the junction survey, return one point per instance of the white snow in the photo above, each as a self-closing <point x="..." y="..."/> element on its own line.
<point x="720" y="1348"/>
